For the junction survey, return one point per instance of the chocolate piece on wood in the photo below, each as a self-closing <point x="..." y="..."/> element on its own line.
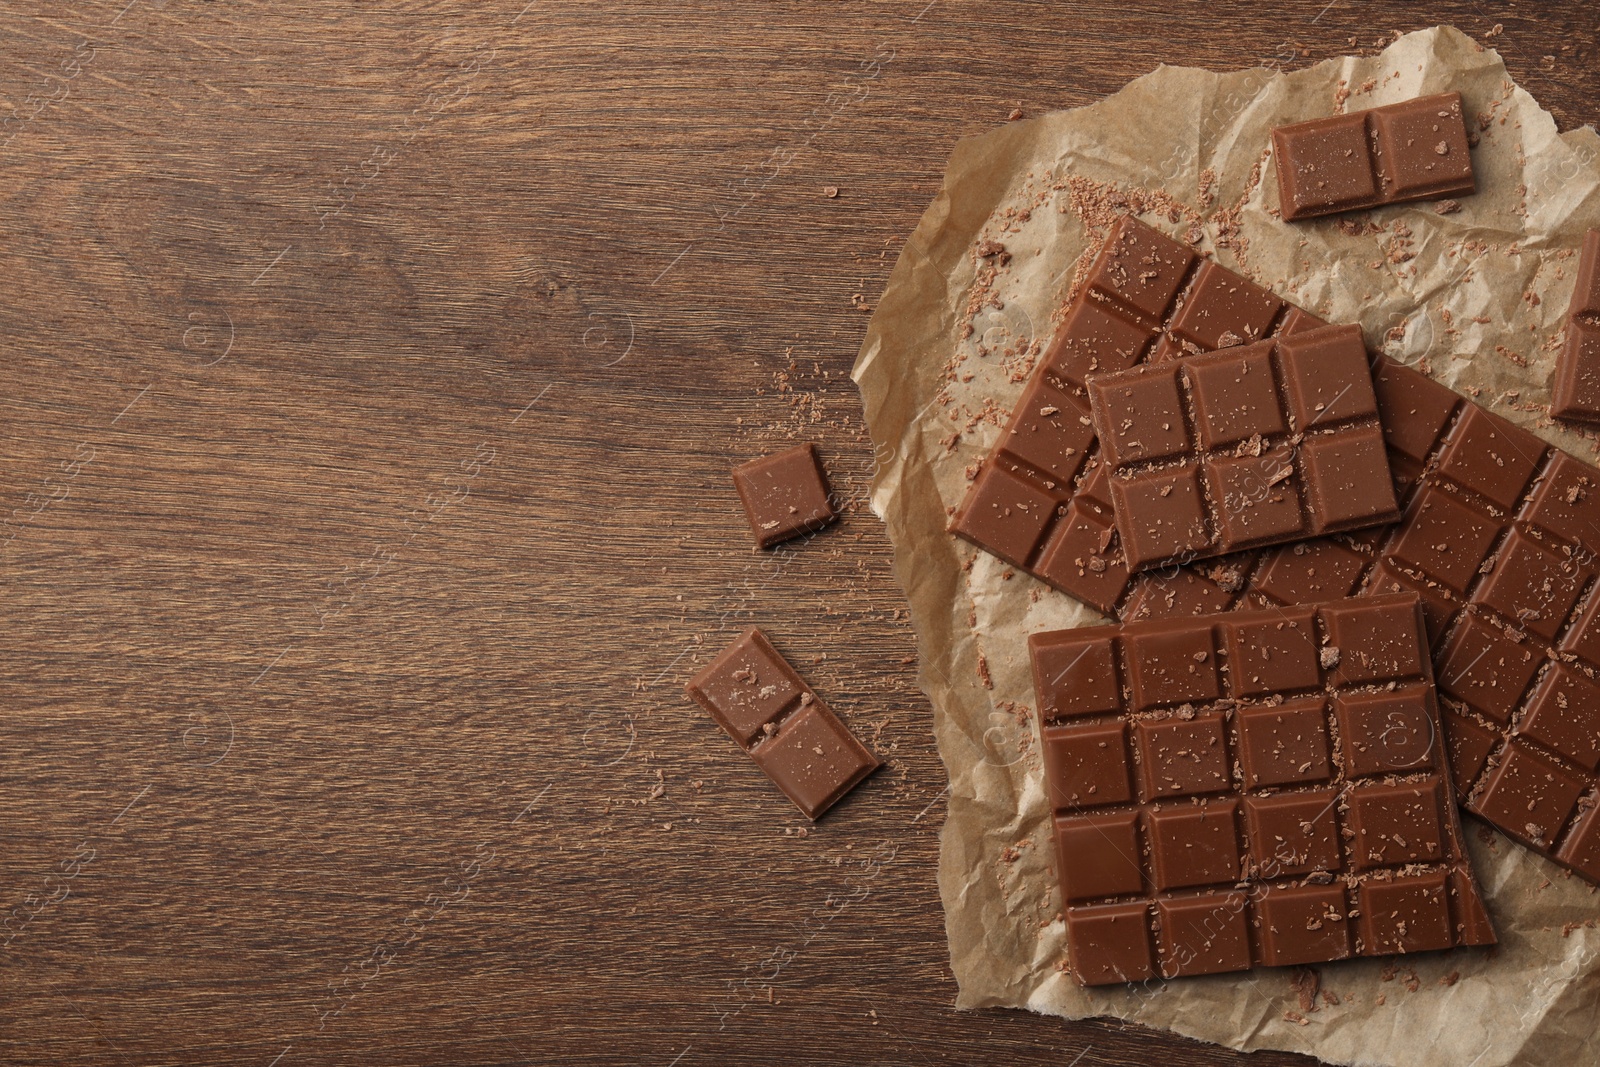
<point x="784" y="494"/>
<point x="754" y="695"/>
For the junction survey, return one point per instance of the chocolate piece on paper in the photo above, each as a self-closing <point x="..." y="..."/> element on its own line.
<point x="1041" y="499"/>
<point x="774" y="716"/>
<point x="1248" y="446"/>
<point x="1575" y="393"/>
<point x="784" y="494"/>
<point x="1264" y="787"/>
<point x="1413" y="150"/>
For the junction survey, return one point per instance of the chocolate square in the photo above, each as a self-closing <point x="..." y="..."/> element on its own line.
<point x="1081" y="677"/>
<point x="1223" y="309"/>
<point x="1311" y="572"/>
<point x="1140" y="269"/>
<point x="814" y="759"/>
<point x="1445" y="538"/>
<point x="785" y="494"/>
<point x="1284" y="744"/>
<point x="1489" y="456"/>
<point x="1194" y="844"/>
<point x="1257" y="498"/>
<point x="1406" y="915"/>
<point x="1303" y="924"/>
<point x="1183" y="757"/>
<point x="1161" y="515"/>
<point x="1327" y="379"/>
<point x="1324" y="165"/>
<point x="1087" y="766"/>
<point x="1387" y="732"/>
<point x="1095" y="338"/>
<point x="1173" y="667"/>
<point x="1276" y="655"/>
<point x="1110" y="943"/>
<point x="1395" y="825"/>
<point x="1098" y="855"/>
<point x="1576" y="390"/>
<point x="1050" y="433"/>
<point x="1294" y="833"/>
<point x="1148" y="423"/>
<point x="1486" y="669"/>
<point x="1235" y="396"/>
<point x="1008" y="513"/>
<point x="1528" y="795"/>
<point x="1347" y="480"/>
<point x="1421" y="148"/>
<point x="1533" y="585"/>
<point x="1564" y="715"/>
<point x="1079" y="557"/>
<point x="1204" y="935"/>
<point x="1373" y="644"/>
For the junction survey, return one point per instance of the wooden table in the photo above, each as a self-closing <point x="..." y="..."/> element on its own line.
<point x="371" y="377"/>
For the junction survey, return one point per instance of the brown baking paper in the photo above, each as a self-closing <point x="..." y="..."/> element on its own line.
<point x="1474" y="297"/>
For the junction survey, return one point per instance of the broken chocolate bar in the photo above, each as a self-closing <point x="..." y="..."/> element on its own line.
<point x="774" y="716"/>
<point x="1041" y="499"/>
<point x="1498" y="535"/>
<point x="1254" y="445"/>
<point x="1413" y="150"/>
<point x="784" y="494"/>
<point x="1254" y="788"/>
<point x="1576" y="391"/>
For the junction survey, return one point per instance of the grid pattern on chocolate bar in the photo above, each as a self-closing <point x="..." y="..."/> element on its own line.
<point x="1041" y="498"/>
<point x="1412" y="150"/>
<point x="770" y="712"/>
<point x="1575" y="392"/>
<point x="1267" y="787"/>
<point x="1498" y="536"/>
<point x="1247" y="446"/>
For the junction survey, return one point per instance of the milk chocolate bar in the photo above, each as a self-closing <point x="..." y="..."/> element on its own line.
<point x="1041" y="499"/>
<point x="774" y="716"/>
<point x="1263" y="787"/>
<point x="1498" y="536"/>
<point x="1575" y="393"/>
<point x="1247" y="446"/>
<point x="1413" y="150"/>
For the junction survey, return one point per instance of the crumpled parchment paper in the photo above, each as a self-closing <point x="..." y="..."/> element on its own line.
<point x="1473" y="296"/>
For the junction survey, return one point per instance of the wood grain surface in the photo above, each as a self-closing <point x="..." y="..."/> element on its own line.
<point x="371" y="374"/>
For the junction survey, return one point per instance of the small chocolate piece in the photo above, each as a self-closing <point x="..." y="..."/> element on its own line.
<point x="1227" y="793"/>
<point x="761" y="702"/>
<point x="1253" y="445"/>
<point x="1413" y="150"/>
<point x="1041" y="500"/>
<point x="1576" y="392"/>
<point x="785" y="494"/>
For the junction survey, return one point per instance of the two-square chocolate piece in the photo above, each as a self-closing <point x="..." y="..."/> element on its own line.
<point x="756" y="696"/>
